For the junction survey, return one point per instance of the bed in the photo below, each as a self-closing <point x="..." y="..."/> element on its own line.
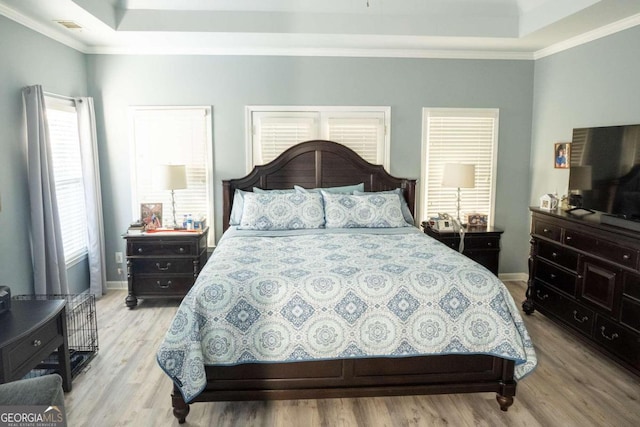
<point x="288" y="312"/>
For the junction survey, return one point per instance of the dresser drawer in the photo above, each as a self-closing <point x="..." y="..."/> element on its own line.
<point x="609" y="250"/>
<point x="572" y="313"/>
<point x="161" y="265"/>
<point x="556" y="277"/>
<point x="163" y="285"/>
<point x="168" y="248"/>
<point x="630" y="313"/>
<point x="547" y="229"/>
<point x="631" y="285"/>
<point x="617" y="339"/>
<point x="34" y="348"/>
<point x="562" y="256"/>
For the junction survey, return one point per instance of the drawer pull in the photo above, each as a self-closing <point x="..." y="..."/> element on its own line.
<point x="542" y="297"/>
<point x="139" y="250"/>
<point x="569" y="238"/>
<point x="165" y="268"/>
<point x="36" y="343"/>
<point x="626" y="257"/>
<point x="546" y="230"/>
<point x="554" y="255"/>
<point x="489" y="244"/>
<point x="611" y="338"/>
<point x="181" y="250"/>
<point x="553" y="276"/>
<point x="580" y="320"/>
<point x="165" y="286"/>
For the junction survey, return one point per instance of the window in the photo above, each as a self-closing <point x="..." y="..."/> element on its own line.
<point x="271" y="130"/>
<point x="466" y="136"/>
<point x="62" y="120"/>
<point x="173" y="136"/>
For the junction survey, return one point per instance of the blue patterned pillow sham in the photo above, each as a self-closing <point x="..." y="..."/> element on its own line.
<point x="365" y="211"/>
<point x="404" y="206"/>
<point x="289" y="211"/>
<point x="238" y="202"/>
<point x="345" y="189"/>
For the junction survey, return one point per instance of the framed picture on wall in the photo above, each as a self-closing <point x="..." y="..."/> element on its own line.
<point x="561" y="155"/>
<point x="151" y="215"/>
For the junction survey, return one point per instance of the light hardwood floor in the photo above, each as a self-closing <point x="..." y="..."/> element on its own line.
<point x="573" y="385"/>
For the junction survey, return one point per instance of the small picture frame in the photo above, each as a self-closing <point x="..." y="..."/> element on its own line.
<point x="151" y="215"/>
<point x="561" y="154"/>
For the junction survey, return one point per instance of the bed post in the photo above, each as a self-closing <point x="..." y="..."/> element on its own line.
<point x="180" y="408"/>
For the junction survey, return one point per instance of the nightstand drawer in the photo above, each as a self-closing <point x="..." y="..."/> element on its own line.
<point x="163" y="285"/>
<point x="32" y="349"/>
<point x="169" y="248"/>
<point x="484" y="242"/>
<point x="166" y="265"/>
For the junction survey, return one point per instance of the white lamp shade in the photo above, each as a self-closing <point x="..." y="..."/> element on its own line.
<point x="171" y="177"/>
<point x="459" y="175"/>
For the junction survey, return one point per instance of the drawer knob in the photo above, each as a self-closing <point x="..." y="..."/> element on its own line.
<point x="139" y="250"/>
<point x="489" y="243"/>
<point x="610" y="338"/>
<point x="165" y="268"/>
<point x="553" y="276"/>
<point x="541" y="297"/>
<point x="181" y="250"/>
<point x="36" y="343"/>
<point x="626" y="257"/>
<point x="554" y="255"/>
<point x="546" y="230"/>
<point x="569" y="237"/>
<point x="581" y="319"/>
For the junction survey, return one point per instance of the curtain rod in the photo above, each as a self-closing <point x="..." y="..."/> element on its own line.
<point x="55" y="95"/>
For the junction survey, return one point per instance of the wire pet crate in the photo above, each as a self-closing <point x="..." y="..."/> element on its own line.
<point x="82" y="332"/>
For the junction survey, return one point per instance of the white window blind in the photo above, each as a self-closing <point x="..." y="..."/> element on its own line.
<point x="67" y="169"/>
<point x="178" y="136"/>
<point x="466" y="136"/>
<point x="274" y="129"/>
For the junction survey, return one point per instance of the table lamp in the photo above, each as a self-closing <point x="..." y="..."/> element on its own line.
<point x="172" y="177"/>
<point x="459" y="176"/>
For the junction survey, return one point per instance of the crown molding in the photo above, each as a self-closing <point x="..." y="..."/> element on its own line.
<point x="42" y="29"/>
<point x="589" y="36"/>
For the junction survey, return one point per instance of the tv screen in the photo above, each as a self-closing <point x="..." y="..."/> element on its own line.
<point x="605" y="169"/>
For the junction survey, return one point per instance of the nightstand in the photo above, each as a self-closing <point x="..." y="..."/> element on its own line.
<point x="31" y="331"/>
<point x="164" y="264"/>
<point x="480" y="244"/>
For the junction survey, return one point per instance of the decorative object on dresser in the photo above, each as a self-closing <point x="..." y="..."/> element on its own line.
<point x="30" y="333"/>
<point x="481" y="244"/>
<point x="586" y="275"/>
<point x="172" y="177"/>
<point x="164" y="264"/>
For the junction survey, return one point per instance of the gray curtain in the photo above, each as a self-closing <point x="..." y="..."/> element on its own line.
<point x="93" y="200"/>
<point x="49" y="269"/>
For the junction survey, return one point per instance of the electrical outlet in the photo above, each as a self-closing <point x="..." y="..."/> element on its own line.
<point x="119" y="258"/>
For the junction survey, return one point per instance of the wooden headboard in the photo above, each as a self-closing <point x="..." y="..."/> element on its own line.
<point x="314" y="164"/>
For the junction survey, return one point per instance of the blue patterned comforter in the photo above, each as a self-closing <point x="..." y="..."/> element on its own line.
<point x="339" y="295"/>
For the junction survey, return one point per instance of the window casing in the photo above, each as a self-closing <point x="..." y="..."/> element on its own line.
<point x="62" y="120"/>
<point x="467" y="136"/>
<point x="173" y="135"/>
<point x="271" y="130"/>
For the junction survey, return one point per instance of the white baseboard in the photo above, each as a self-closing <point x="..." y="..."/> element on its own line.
<point x="514" y="277"/>
<point x="117" y="285"/>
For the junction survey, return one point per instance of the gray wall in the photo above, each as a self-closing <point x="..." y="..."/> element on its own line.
<point x="229" y="83"/>
<point x="596" y="84"/>
<point x="28" y="58"/>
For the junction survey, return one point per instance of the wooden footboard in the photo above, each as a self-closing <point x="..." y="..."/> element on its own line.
<point x="357" y="378"/>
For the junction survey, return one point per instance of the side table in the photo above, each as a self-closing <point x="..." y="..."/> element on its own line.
<point x="480" y="244"/>
<point x="31" y="331"/>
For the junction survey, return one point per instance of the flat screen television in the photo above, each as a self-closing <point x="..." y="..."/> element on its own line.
<point x="605" y="171"/>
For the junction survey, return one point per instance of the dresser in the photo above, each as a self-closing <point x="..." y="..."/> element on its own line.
<point x="586" y="276"/>
<point x="31" y="331"/>
<point x="480" y="244"/>
<point x="163" y="264"/>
